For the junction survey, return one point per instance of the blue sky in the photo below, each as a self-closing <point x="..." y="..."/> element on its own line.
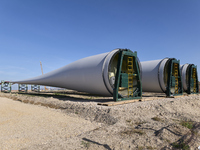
<point x="58" y="32"/>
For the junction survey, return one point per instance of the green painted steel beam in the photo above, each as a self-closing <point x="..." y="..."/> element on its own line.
<point x="121" y="79"/>
<point x="171" y="79"/>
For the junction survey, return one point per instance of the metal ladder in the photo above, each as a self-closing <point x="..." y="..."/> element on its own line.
<point x="176" y="77"/>
<point x="130" y="76"/>
<point x="194" y="77"/>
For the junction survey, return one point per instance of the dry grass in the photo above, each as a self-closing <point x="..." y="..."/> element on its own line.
<point x="156" y="119"/>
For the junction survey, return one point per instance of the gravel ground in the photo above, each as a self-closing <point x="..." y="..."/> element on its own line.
<point x="75" y="121"/>
<point x="25" y="126"/>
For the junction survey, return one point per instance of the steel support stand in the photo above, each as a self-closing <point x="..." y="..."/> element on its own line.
<point x="35" y="88"/>
<point x="22" y="87"/>
<point x="124" y="80"/>
<point x="6" y="86"/>
<point x="174" y="79"/>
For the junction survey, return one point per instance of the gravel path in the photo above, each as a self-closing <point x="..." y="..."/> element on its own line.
<point x="25" y="125"/>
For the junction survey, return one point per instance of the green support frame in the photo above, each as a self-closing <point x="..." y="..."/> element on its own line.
<point x="22" y="87"/>
<point x="193" y="80"/>
<point x="174" y="78"/>
<point x="122" y="78"/>
<point x="6" y="86"/>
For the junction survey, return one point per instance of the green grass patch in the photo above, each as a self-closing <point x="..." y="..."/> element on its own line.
<point x="182" y="146"/>
<point x="187" y="124"/>
<point x="85" y="144"/>
<point x="59" y="94"/>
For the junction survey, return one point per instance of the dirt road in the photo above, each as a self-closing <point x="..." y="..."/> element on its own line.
<point x="24" y="126"/>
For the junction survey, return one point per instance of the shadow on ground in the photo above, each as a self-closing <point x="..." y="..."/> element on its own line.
<point x="93" y="142"/>
<point x="69" y="96"/>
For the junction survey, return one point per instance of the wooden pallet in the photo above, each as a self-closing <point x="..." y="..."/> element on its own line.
<point x="182" y="95"/>
<point x="113" y="103"/>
